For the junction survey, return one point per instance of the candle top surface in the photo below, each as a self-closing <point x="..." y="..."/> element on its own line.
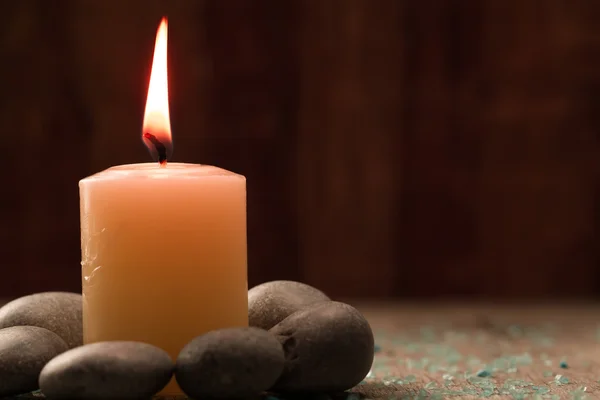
<point x="155" y="171"/>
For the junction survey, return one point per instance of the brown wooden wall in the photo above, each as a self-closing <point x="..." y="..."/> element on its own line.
<point x="392" y="148"/>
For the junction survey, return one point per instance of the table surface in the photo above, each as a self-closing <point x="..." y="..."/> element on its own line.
<point x="534" y="351"/>
<point x="528" y="351"/>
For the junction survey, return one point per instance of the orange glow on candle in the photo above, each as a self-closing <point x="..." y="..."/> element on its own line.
<point x="156" y="131"/>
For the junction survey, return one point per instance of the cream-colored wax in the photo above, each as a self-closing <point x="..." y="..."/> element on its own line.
<point x="163" y="254"/>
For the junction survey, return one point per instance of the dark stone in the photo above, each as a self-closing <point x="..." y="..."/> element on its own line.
<point x="59" y="312"/>
<point x="328" y="348"/>
<point x="271" y="302"/>
<point x="230" y="363"/>
<point x="24" y="350"/>
<point x="107" y="370"/>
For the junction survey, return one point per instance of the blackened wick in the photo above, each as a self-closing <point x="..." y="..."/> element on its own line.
<point x="160" y="148"/>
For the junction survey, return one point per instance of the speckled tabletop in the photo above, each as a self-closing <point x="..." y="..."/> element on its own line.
<point x="474" y="352"/>
<point x="510" y="352"/>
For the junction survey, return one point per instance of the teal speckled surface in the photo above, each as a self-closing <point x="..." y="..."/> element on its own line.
<point x="513" y="352"/>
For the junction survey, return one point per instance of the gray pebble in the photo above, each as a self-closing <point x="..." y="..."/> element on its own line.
<point x="24" y="350"/>
<point x="271" y="302"/>
<point x="107" y="370"/>
<point x="328" y="347"/>
<point x="230" y="363"/>
<point x="59" y="312"/>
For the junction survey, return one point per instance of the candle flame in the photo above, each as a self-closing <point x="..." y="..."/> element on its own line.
<point x="156" y="131"/>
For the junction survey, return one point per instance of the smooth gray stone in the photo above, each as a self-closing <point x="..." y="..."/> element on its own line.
<point x="24" y="350"/>
<point x="229" y="363"/>
<point x="271" y="302"/>
<point x="59" y="312"/>
<point x="328" y="347"/>
<point x="107" y="370"/>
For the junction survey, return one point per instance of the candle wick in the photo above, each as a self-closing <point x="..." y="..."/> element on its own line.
<point x="160" y="148"/>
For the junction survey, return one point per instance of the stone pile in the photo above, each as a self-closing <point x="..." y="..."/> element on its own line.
<point x="298" y="341"/>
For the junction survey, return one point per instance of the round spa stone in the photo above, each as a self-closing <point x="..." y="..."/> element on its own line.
<point x="270" y="302"/>
<point x="107" y="370"/>
<point x="229" y="363"/>
<point x="24" y="350"/>
<point x="328" y="347"/>
<point x="59" y="312"/>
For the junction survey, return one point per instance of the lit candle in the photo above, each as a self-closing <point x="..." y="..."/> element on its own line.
<point x="163" y="244"/>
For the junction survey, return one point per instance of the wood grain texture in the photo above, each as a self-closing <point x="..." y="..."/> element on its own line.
<point x="392" y="148"/>
<point x="348" y="154"/>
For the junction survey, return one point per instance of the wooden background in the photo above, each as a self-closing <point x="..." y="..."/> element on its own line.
<point x="392" y="148"/>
